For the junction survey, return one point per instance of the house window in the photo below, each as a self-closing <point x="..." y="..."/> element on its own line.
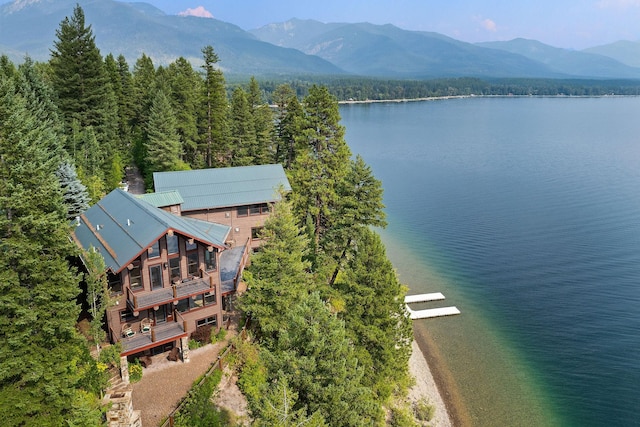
<point x="254" y="210"/>
<point x="154" y="250"/>
<point x="183" y="305"/>
<point x="259" y="209"/>
<point x="155" y="273"/>
<point x="197" y="302"/>
<point x="210" y="298"/>
<point x="115" y="283"/>
<point x="191" y="245"/>
<point x="172" y="244"/>
<point x="126" y="315"/>
<point x="255" y="233"/>
<point x="210" y="260"/>
<point x="243" y="210"/>
<point x="192" y="263"/>
<point x="135" y="277"/>
<point x="211" y="320"/>
<point x="174" y="269"/>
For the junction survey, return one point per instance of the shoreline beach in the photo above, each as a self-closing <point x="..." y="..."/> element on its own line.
<point x="435" y="382"/>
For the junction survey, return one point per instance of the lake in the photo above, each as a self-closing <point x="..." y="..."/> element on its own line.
<point x="525" y="213"/>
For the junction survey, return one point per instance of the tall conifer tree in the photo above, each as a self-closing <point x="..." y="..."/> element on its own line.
<point x="80" y="80"/>
<point x="76" y="198"/>
<point x="262" y="118"/>
<point x="243" y="134"/>
<point x="278" y="273"/>
<point x="213" y="124"/>
<point x="47" y="376"/>
<point x="318" y="171"/>
<point x="163" y="149"/>
<point x="185" y="85"/>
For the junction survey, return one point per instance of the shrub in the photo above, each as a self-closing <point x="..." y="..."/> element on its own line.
<point x="110" y="355"/>
<point x="198" y="410"/>
<point x="401" y="417"/>
<point x="252" y="378"/>
<point x="423" y="411"/>
<point x="193" y="344"/>
<point x="202" y="334"/>
<point x="135" y="371"/>
<point x="218" y="336"/>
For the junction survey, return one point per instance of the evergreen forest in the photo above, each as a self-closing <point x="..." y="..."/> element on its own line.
<point x="331" y="339"/>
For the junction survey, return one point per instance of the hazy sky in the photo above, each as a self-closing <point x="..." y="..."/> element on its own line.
<point x="562" y="23"/>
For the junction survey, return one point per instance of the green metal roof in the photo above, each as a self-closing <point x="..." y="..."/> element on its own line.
<point x="122" y="226"/>
<point x="162" y="199"/>
<point x="224" y="187"/>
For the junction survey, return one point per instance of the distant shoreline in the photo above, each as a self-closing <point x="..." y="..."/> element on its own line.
<point x="430" y="98"/>
<point x="438" y="98"/>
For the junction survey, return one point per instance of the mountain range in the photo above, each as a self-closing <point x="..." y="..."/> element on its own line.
<point x="303" y="47"/>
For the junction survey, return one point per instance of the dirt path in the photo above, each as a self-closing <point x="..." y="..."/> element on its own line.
<point x="165" y="383"/>
<point x="134" y="180"/>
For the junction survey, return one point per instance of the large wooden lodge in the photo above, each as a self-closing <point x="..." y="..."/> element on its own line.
<point x="174" y="258"/>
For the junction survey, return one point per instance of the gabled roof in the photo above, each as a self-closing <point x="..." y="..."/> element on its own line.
<point x="162" y="199"/>
<point x="224" y="187"/>
<point x="122" y="227"/>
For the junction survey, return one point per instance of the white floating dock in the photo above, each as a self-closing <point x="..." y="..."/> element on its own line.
<point x="410" y="299"/>
<point x="432" y="312"/>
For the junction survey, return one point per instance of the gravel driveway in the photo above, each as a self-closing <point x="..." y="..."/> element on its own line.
<point x="165" y="383"/>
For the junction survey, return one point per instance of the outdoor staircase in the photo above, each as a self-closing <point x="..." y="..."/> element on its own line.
<point x="120" y="404"/>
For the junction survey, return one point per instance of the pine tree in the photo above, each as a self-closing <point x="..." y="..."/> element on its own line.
<point x="262" y="118"/>
<point x="163" y="147"/>
<point x="278" y="274"/>
<point x="7" y="68"/>
<point x="289" y="121"/>
<point x="318" y="171"/>
<point x="318" y="361"/>
<point x="47" y="376"/>
<point x="121" y="82"/>
<point x="144" y="89"/>
<point x="40" y="95"/>
<point x="184" y="84"/>
<point x="360" y="205"/>
<point x="76" y="198"/>
<point x="243" y="134"/>
<point x="80" y="80"/>
<point x="277" y="409"/>
<point x="213" y="123"/>
<point x="375" y="314"/>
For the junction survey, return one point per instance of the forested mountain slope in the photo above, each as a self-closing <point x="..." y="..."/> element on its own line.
<point x="133" y="28"/>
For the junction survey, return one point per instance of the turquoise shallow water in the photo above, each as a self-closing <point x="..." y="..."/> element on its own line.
<point x="525" y="213"/>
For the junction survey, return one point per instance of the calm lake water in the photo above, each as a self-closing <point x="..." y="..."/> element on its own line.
<point x="525" y="213"/>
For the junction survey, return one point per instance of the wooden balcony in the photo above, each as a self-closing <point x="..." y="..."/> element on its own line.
<point x="144" y="300"/>
<point x="160" y="334"/>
